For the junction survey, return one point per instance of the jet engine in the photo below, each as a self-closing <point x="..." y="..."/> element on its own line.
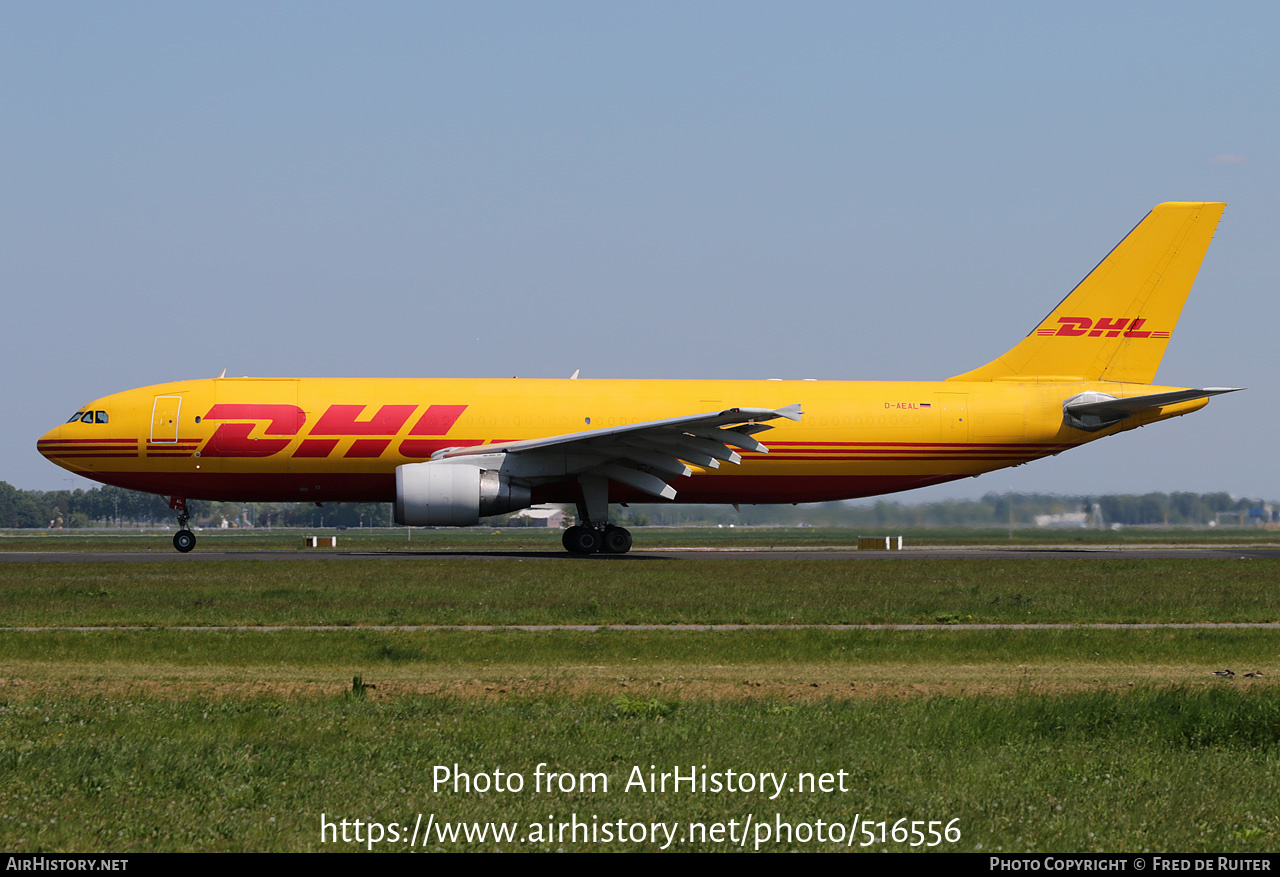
<point x="446" y="493"/>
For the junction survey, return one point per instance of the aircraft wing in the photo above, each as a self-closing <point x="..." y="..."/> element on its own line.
<point x="643" y="455"/>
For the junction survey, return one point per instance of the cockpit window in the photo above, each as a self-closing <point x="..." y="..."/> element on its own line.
<point x="89" y="417"/>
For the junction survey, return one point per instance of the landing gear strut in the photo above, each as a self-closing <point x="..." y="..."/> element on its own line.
<point x="595" y="533"/>
<point x="184" y="540"/>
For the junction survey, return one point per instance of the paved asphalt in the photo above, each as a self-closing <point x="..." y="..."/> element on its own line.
<point x="166" y="554"/>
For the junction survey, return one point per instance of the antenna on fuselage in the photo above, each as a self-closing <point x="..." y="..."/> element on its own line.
<point x="224" y="373"/>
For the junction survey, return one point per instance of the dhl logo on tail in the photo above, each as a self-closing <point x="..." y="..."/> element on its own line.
<point x="1105" y="327"/>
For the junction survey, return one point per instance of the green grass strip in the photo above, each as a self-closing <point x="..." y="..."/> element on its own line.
<point x="1194" y="771"/>
<point x="460" y="591"/>
<point x="369" y="651"/>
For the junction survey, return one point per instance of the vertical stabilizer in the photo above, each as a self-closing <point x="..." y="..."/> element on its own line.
<point x="1116" y="324"/>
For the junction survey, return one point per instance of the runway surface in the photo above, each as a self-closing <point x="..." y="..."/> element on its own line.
<point x="624" y="628"/>
<point x="1162" y="552"/>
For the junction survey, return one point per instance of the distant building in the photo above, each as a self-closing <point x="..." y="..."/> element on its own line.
<point x="545" y="516"/>
<point x="1065" y="520"/>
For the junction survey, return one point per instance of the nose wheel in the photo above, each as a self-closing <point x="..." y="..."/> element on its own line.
<point x="184" y="540"/>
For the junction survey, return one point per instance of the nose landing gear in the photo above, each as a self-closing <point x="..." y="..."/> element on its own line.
<point x="184" y="540"/>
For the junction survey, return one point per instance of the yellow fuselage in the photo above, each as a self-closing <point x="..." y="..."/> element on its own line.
<point x="332" y="440"/>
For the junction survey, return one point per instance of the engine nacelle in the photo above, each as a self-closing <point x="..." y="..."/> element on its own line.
<point x="446" y="493"/>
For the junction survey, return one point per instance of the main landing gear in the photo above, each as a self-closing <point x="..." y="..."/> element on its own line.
<point x="595" y="534"/>
<point x="588" y="540"/>
<point x="184" y="540"/>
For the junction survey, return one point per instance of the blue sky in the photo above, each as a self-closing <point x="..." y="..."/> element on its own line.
<point x="828" y="190"/>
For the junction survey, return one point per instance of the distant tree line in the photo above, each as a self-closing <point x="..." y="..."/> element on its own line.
<point x="992" y="510"/>
<point x="116" y="507"/>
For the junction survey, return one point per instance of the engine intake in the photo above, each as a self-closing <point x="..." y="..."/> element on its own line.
<point x="445" y="493"/>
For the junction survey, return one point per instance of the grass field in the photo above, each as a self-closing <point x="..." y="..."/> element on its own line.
<point x="567" y="591"/>
<point x="782" y="664"/>
<point x="1048" y="773"/>
<point x="1053" y="740"/>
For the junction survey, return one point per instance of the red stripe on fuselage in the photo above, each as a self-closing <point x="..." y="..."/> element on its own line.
<point x="90" y="441"/>
<point x="892" y="459"/>
<point x="1004" y="445"/>
<point x="76" y="455"/>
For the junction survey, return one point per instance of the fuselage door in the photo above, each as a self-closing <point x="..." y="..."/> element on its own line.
<point x="164" y="419"/>
<point x="953" y="416"/>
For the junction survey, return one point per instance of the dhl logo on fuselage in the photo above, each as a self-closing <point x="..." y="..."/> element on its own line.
<point x="285" y="423"/>
<point x="1104" y="327"/>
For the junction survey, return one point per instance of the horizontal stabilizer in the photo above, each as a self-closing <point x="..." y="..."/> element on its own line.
<point x="1093" y="411"/>
<point x="1110" y="405"/>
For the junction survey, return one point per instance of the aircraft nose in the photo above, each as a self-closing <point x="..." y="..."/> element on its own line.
<point x="49" y="441"/>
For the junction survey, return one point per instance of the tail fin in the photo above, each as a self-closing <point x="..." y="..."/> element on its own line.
<point x="1115" y="325"/>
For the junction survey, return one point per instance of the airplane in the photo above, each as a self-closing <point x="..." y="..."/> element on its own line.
<point x="449" y="452"/>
